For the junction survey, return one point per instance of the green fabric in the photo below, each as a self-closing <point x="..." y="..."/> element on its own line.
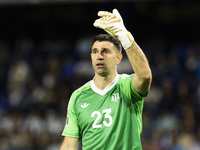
<point x="112" y="121"/>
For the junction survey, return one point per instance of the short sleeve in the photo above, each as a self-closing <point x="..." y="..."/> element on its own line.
<point x="71" y="128"/>
<point x="129" y="91"/>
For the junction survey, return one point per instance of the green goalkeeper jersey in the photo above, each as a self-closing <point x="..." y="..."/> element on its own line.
<point x="109" y="119"/>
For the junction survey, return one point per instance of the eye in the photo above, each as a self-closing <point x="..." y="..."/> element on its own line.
<point x="94" y="52"/>
<point x="106" y="52"/>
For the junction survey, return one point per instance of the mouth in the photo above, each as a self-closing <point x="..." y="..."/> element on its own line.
<point x="100" y="65"/>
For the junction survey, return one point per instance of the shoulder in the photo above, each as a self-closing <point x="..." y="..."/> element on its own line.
<point x="125" y="76"/>
<point x="76" y="94"/>
<point x="125" y="82"/>
<point x="85" y="87"/>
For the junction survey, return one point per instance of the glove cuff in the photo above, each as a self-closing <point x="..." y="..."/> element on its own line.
<point x="126" y="40"/>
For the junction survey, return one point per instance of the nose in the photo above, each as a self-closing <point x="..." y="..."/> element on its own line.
<point x="100" y="56"/>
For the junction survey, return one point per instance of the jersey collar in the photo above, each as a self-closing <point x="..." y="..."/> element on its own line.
<point x="108" y="88"/>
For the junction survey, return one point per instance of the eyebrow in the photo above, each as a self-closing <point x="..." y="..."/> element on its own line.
<point x="94" y="49"/>
<point x="103" y="49"/>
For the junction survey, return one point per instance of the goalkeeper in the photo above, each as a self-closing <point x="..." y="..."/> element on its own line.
<point x="106" y="112"/>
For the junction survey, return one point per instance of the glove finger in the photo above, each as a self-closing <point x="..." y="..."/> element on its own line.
<point x="104" y="13"/>
<point x="116" y="13"/>
<point x="97" y="23"/>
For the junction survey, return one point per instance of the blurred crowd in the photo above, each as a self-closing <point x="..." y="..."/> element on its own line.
<point x="37" y="80"/>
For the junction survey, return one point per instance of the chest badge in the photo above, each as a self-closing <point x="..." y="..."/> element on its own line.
<point x="115" y="97"/>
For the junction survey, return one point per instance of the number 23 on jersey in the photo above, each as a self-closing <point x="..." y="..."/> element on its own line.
<point x="106" y="114"/>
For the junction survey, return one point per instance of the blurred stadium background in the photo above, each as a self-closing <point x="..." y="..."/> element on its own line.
<point x="44" y="57"/>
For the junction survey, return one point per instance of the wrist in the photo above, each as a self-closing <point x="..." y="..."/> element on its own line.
<point x="126" y="39"/>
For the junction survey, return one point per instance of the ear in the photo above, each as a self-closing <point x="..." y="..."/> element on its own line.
<point x="118" y="58"/>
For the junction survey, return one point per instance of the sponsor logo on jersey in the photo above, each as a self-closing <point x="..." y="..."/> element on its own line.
<point x="84" y="105"/>
<point x="115" y="97"/>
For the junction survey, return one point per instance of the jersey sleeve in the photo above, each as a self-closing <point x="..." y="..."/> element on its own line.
<point x="71" y="128"/>
<point x="129" y="91"/>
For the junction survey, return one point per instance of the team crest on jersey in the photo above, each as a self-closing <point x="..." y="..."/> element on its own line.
<point x="115" y="97"/>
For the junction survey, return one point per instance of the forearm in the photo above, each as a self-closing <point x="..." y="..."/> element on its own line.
<point x="69" y="144"/>
<point x="140" y="65"/>
<point x="138" y="61"/>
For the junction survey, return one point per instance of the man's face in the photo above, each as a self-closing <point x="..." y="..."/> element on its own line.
<point x="105" y="58"/>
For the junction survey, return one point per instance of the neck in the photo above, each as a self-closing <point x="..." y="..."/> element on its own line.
<point x="102" y="82"/>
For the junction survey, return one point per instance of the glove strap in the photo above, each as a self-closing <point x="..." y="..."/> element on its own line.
<point x="126" y="40"/>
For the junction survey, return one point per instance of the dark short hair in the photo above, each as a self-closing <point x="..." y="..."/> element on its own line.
<point x="108" y="37"/>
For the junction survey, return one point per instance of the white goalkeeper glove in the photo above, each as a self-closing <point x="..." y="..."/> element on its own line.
<point x="113" y="24"/>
